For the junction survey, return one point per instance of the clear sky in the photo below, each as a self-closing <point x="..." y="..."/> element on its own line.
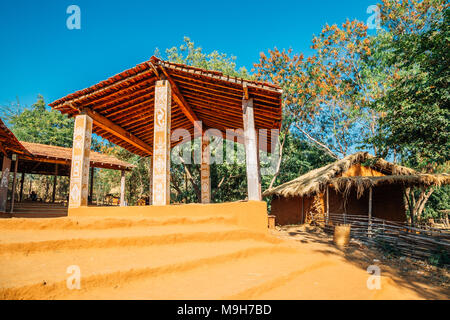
<point x="40" y="55"/>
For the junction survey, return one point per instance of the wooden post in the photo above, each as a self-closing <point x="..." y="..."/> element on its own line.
<point x="91" y="186"/>
<point x="303" y="210"/>
<point x="205" y="171"/>
<point x="161" y="144"/>
<point x="55" y="181"/>
<point x="122" y="188"/>
<point x="369" y="230"/>
<point x="22" y="180"/>
<point x="251" y="151"/>
<point x="79" y="175"/>
<point x="13" y="194"/>
<point x="4" y="183"/>
<point x="328" y="204"/>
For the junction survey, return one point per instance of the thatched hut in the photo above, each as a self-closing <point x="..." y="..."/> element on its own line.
<point x="359" y="184"/>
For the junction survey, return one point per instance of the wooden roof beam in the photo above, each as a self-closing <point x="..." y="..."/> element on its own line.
<point x="178" y="97"/>
<point x="117" y="131"/>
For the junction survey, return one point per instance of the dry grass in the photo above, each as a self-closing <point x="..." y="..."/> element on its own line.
<point x="361" y="184"/>
<point x="315" y="181"/>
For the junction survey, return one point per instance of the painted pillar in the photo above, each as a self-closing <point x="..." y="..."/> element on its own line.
<point x="55" y="181"/>
<point x="22" y="180"/>
<point x="13" y="189"/>
<point x="150" y="184"/>
<point x="4" y="183"/>
<point x="122" y="188"/>
<point x="205" y="175"/>
<point x="251" y="151"/>
<point x="79" y="175"/>
<point x="161" y="144"/>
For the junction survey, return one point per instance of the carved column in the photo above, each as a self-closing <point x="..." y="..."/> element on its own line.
<point x="205" y="170"/>
<point x="4" y="183"/>
<point x="122" y="188"/>
<point x="79" y="175"/>
<point x="161" y="144"/>
<point x="251" y="151"/>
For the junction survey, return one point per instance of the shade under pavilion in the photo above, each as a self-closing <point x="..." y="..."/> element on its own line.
<point x="122" y="110"/>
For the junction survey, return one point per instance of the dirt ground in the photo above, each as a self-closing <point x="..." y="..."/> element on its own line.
<point x="196" y="258"/>
<point x="410" y="272"/>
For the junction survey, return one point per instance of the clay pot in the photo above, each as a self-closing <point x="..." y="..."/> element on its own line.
<point x="271" y="222"/>
<point x="342" y="235"/>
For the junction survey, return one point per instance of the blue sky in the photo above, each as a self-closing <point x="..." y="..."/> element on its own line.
<point x="40" y="55"/>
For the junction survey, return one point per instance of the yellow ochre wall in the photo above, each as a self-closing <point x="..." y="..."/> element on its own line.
<point x="249" y="215"/>
<point x="357" y="170"/>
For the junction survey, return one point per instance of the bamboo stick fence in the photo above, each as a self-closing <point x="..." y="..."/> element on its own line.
<point x="398" y="238"/>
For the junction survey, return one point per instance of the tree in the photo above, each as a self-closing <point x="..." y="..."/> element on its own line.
<point x="416" y="119"/>
<point x="189" y="54"/>
<point x="415" y="122"/>
<point x="40" y="125"/>
<point x="324" y="95"/>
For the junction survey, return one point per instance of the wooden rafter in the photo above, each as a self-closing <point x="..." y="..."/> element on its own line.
<point x="116" y="130"/>
<point x="179" y="99"/>
<point x="127" y="100"/>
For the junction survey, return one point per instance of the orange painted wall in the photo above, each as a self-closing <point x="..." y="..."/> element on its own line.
<point x="249" y="215"/>
<point x="357" y="170"/>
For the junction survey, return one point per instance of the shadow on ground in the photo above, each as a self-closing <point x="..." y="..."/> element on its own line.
<point x="428" y="281"/>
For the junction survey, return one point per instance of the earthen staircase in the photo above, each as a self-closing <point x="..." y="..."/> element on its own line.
<point x="205" y="257"/>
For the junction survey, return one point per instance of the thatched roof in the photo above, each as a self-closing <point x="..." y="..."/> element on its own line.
<point x="316" y="180"/>
<point x="361" y="184"/>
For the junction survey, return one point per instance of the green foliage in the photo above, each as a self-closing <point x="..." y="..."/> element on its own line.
<point x="191" y="55"/>
<point x="40" y="125"/>
<point x="440" y="257"/>
<point x="299" y="158"/>
<point x="438" y="204"/>
<point x="416" y="116"/>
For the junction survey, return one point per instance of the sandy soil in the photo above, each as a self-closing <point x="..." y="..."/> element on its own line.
<point x="186" y="258"/>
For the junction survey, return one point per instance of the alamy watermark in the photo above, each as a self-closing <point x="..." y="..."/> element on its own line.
<point x="74" y="280"/>
<point x="225" y="148"/>
<point x="374" y="21"/>
<point x="73" y="22"/>
<point x="374" y="280"/>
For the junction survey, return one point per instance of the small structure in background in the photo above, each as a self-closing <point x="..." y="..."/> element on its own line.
<point x="35" y="158"/>
<point x="359" y="184"/>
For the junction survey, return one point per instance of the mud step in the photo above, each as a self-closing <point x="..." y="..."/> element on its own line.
<point x="98" y="223"/>
<point x="179" y="273"/>
<point x="51" y="266"/>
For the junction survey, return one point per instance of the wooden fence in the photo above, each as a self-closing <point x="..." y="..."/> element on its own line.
<point x="422" y="242"/>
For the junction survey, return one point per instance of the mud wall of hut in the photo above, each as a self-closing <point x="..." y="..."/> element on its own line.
<point x="291" y="210"/>
<point x="387" y="203"/>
